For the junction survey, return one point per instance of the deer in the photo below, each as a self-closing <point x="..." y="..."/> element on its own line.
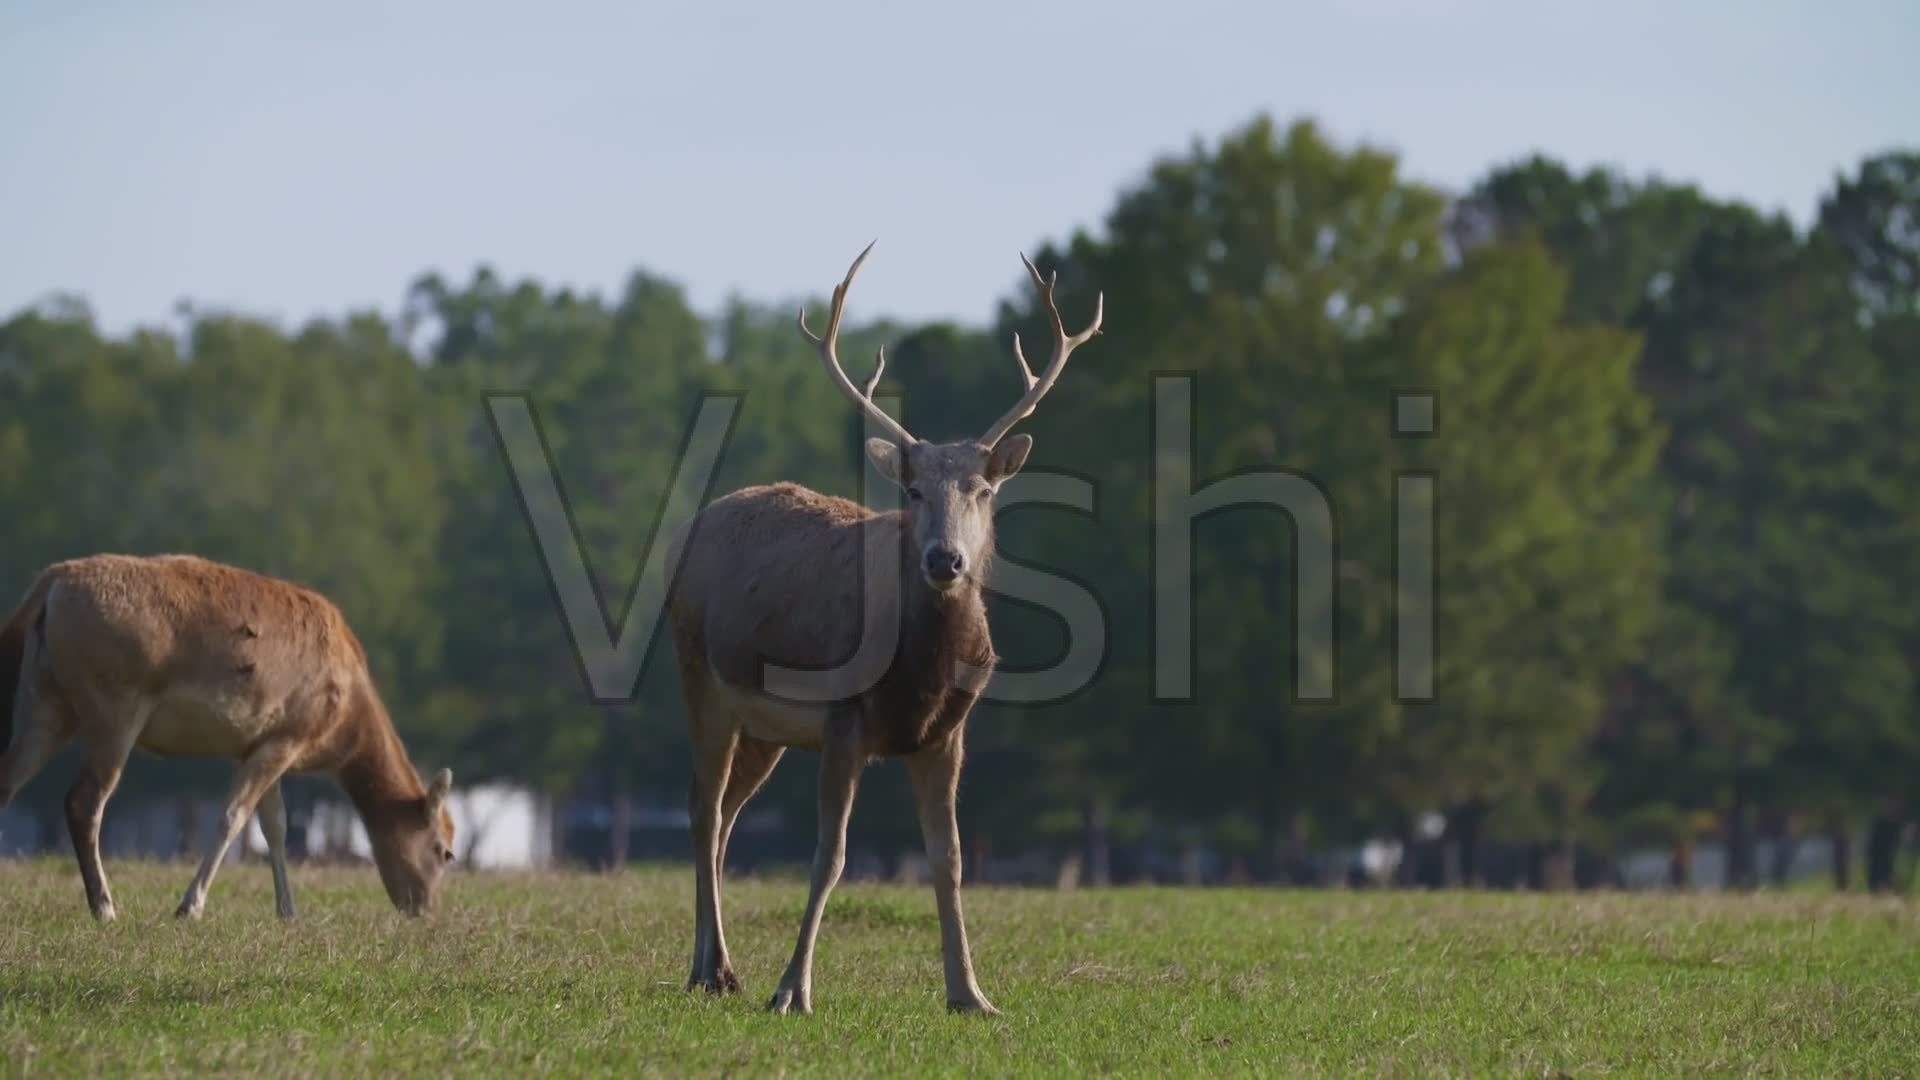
<point x="182" y="657"/>
<point x="779" y="579"/>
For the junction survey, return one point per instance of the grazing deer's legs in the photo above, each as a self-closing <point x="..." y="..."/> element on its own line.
<point x="40" y="735"/>
<point x="752" y="764"/>
<point x="936" y="778"/>
<point x="712" y="763"/>
<point x="258" y="772"/>
<point x="87" y="806"/>
<point x="840" y="763"/>
<point x="273" y="825"/>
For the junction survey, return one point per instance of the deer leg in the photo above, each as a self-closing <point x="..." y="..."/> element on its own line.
<point x="713" y="761"/>
<point x="37" y="739"/>
<point x="840" y="762"/>
<point x="752" y="764"/>
<point x="87" y="807"/>
<point x="273" y="825"/>
<point x="935" y="772"/>
<point x="259" y="772"/>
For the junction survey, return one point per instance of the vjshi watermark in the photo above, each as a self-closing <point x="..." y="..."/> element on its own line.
<point x="611" y="657"/>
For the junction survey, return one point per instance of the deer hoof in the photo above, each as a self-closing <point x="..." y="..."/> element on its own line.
<point x="723" y="981"/>
<point x="790" y="1002"/>
<point x="978" y="1006"/>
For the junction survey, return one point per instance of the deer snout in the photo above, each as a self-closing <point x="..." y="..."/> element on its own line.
<point x="944" y="564"/>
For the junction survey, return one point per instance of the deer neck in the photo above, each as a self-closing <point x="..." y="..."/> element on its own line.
<point x="377" y="775"/>
<point x="943" y="647"/>
<point x="942" y="626"/>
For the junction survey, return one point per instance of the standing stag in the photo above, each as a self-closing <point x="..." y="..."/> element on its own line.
<point x="781" y="579"/>
<point x="186" y="658"/>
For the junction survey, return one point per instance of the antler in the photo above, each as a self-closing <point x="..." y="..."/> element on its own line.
<point x="829" y="356"/>
<point x="1063" y="346"/>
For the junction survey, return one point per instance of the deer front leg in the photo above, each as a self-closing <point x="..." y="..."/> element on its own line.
<point x="936" y="782"/>
<point x="259" y="772"/>
<point x="273" y="825"/>
<point x="840" y="762"/>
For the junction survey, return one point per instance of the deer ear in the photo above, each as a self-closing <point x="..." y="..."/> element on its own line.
<point x="438" y="790"/>
<point x="1008" y="457"/>
<point x="889" y="459"/>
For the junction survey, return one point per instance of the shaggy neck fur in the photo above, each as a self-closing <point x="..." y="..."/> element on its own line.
<point x="942" y="636"/>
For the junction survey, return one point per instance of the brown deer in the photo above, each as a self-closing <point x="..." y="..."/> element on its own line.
<point x="183" y="657"/>
<point x="779" y="580"/>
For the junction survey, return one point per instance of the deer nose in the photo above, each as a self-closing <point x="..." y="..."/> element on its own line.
<point x="945" y="563"/>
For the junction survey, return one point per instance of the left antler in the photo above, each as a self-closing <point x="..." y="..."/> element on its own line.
<point x="1063" y="346"/>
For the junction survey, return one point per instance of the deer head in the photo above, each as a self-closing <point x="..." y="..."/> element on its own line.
<point x="950" y="487"/>
<point x="413" y="845"/>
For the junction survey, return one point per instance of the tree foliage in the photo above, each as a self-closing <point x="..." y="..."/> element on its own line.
<point x="1673" y="495"/>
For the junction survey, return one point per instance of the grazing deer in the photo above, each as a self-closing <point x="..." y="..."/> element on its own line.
<point x="183" y="657"/>
<point x="781" y="579"/>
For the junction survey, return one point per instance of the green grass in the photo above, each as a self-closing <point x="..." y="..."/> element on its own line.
<point x="583" y="974"/>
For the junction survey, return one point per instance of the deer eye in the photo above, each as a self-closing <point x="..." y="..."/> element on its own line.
<point x="914" y="494"/>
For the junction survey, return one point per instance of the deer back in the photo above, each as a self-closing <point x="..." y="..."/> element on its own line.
<point x="774" y="575"/>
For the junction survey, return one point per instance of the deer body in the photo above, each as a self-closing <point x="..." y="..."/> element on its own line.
<point x="183" y="657"/>
<point x="795" y="601"/>
<point x="886" y="609"/>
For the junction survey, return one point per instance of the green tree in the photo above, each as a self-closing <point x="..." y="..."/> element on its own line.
<point x="1261" y="266"/>
<point x="1547" y="560"/>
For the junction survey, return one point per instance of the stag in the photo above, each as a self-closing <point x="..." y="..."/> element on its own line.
<point x="183" y="657"/>
<point x="778" y="579"/>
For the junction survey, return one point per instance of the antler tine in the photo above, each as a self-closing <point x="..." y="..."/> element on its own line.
<point x="879" y="367"/>
<point x="830" y="357"/>
<point x="1026" y="373"/>
<point x="1063" y="346"/>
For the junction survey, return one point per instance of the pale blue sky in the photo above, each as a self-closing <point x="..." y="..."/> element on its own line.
<point x="291" y="160"/>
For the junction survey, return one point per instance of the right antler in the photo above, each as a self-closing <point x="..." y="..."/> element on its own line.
<point x="1063" y="346"/>
<point x="829" y="356"/>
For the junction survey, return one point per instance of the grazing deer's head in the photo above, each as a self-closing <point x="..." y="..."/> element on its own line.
<point x="950" y="487"/>
<point x="414" y="846"/>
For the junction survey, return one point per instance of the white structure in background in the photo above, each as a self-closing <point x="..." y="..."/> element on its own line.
<point x="496" y="826"/>
<point x="1380" y="858"/>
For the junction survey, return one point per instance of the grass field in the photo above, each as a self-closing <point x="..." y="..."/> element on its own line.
<point x="579" y="973"/>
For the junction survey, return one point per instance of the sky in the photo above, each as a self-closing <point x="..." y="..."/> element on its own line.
<point x="300" y="160"/>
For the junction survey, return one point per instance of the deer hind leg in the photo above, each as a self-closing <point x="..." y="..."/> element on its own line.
<point x="753" y="762"/>
<point x="42" y="732"/>
<point x="840" y="763"/>
<point x="87" y="808"/>
<point x="42" y="724"/>
<point x="935" y="772"/>
<point x="273" y="826"/>
<point x="259" y="772"/>
<point x="713" y="753"/>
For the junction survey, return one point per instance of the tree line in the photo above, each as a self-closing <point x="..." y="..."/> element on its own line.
<point x="1674" y="504"/>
